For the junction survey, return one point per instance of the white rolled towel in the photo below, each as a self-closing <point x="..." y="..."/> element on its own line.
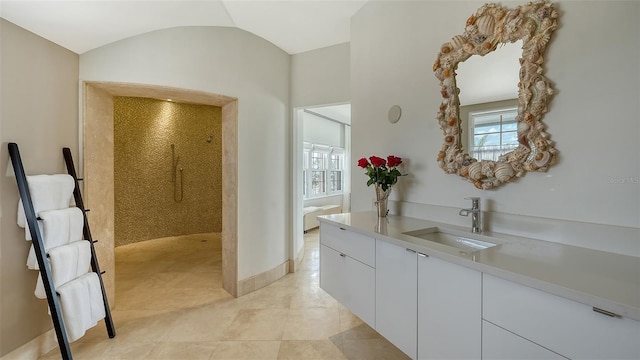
<point x="67" y="262"/>
<point x="82" y="304"/>
<point x="48" y="192"/>
<point x="59" y="227"/>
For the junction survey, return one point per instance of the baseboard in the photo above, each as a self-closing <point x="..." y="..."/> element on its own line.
<point x="261" y="280"/>
<point x="35" y="348"/>
<point x="294" y="264"/>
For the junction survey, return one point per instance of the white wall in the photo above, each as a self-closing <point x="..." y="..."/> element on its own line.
<point x="592" y="61"/>
<point x="231" y="62"/>
<point x="38" y="111"/>
<point x="320" y="77"/>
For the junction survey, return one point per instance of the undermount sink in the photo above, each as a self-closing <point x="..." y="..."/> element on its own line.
<point x="450" y="238"/>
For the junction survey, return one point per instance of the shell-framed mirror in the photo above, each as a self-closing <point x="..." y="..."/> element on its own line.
<point x="485" y="31"/>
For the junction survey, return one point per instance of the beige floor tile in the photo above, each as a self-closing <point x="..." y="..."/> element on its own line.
<point x="311" y="297"/>
<point x="353" y="328"/>
<point x="139" y="270"/>
<point x="140" y="256"/>
<point x="160" y="279"/>
<point x="202" y="324"/>
<point x="258" y="324"/>
<point x="310" y="349"/>
<point x="310" y="260"/>
<point x="246" y="350"/>
<point x="146" y="329"/>
<point x="312" y="324"/>
<point x="121" y="317"/>
<point x="212" y="265"/>
<point x="372" y="349"/>
<point x="360" y="332"/>
<point x="182" y="350"/>
<point x="199" y="280"/>
<point x="143" y="298"/>
<point x="158" y="298"/>
<point x="301" y="278"/>
<point x="269" y="297"/>
<point x="80" y="351"/>
<point x="128" y="350"/>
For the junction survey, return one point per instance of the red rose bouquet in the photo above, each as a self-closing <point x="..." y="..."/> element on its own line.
<point x="381" y="172"/>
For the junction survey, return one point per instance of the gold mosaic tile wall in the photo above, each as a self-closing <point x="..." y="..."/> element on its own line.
<point x="153" y="198"/>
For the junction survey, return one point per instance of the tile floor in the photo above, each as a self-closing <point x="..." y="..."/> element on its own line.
<point x="170" y="305"/>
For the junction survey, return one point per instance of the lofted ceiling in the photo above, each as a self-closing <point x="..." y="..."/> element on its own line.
<point x="295" y="26"/>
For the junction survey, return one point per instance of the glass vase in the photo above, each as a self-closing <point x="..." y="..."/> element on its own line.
<point x="382" y="197"/>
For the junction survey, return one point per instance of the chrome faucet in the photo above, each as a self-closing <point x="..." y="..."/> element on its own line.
<point x="476" y="214"/>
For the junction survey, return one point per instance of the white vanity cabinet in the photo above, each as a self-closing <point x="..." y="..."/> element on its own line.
<point x="432" y="308"/>
<point x="347" y="269"/>
<point x="560" y="325"/>
<point x="449" y="310"/>
<point x="427" y="307"/>
<point x="396" y="296"/>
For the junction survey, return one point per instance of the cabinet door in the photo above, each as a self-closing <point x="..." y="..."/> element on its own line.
<point x="498" y="343"/>
<point x="396" y="296"/>
<point x="360" y="292"/>
<point x="449" y="310"/>
<point x="331" y="273"/>
<point x="350" y="282"/>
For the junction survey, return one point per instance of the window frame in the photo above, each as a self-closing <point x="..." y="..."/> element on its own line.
<point x="327" y="168"/>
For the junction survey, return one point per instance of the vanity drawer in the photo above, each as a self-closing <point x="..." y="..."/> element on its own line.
<point x="355" y="245"/>
<point x="500" y="344"/>
<point x="564" y="326"/>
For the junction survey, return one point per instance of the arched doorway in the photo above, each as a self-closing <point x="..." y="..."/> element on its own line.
<point x="97" y="166"/>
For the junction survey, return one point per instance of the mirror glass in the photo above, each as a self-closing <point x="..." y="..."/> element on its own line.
<point x="489" y="101"/>
<point x="491" y="156"/>
<point x="489" y="78"/>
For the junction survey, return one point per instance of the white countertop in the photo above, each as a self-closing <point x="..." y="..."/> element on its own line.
<point x="596" y="278"/>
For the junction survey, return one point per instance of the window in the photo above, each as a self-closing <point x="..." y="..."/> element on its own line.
<point x="335" y="174"/>
<point x="322" y="170"/>
<point x="318" y="173"/>
<point x="335" y="181"/>
<point x="493" y="133"/>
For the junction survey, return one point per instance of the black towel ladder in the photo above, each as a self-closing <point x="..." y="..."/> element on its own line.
<point x="36" y="236"/>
